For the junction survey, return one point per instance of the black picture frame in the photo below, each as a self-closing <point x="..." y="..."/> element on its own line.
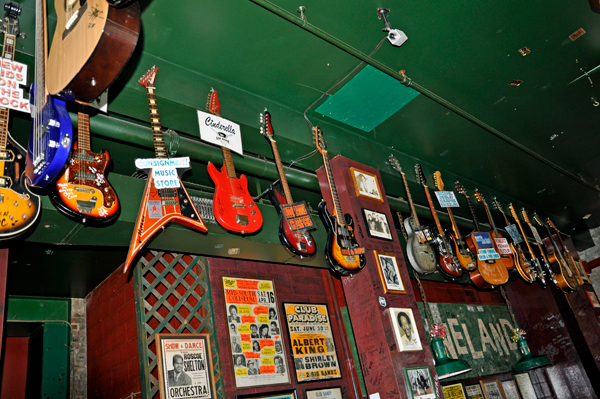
<point x="373" y="221"/>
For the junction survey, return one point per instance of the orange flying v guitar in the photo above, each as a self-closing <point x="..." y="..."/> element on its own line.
<point x="160" y="205"/>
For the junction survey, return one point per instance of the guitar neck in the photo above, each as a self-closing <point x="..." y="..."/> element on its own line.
<point x="157" y="136"/>
<point x="433" y="211"/>
<point x="454" y="226"/>
<point x="336" y="202"/>
<point x="524" y="236"/>
<point x="410" y="200"/>
<point x="8" y="52"/>
<point x="41" y="52"/>
<point x="473" y="215"/>
<point x="83" y="131"/>
<point x="228" y="162"/>
<point x="282" y="177"/>
<point x="490" y="218"/>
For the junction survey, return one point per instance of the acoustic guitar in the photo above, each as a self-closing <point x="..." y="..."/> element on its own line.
<point x="540" y="274"/>
<point x="51" y="130"/>
<point x="19" y="207"/>
<point x="301" y="242"/>
<point x="490" y="272"/>
<point x="233" y="206"/>
<point x="160" y="205"/>
<point x="422" y="254"/>
<point x="461" y="249"/>
<point x="447" y="262"/>
<point x="342" y="253"/>
<point x="92" y="43"/>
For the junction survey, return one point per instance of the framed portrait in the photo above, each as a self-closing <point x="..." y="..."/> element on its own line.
<point x="312" y="345"/>
<point x="366" y="185"/>
<point x="329" y="393"/>
<point x="593" y="298"/>
<point x="525" y="386"/>
<point x="510" y="389"/>
<point x="254" y="326"/>
<point x="492" y="389"/>
<point x="390" y="273"/>
<point x="454" y="391"/>
<point x="377" y="225"/>
<point x="419" y="383"/>
<point x="184" y="365"/>
<point x="289" y="394"/>
<point x="405" y="329"/>
<point x="474" y="391"/>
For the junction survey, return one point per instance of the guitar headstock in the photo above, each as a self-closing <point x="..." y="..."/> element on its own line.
<point x="148" y="79"/>
<point x="513" y="212"/>
<point x="266" y="129"/>
<point x="552" y="224"/>
<point x="525" y="217"/>
<point x="479" y="197"/>
<point x="497" y="204"/>
<point x="437" y="179"/>
<point x="461" y="189"/>
<point x="10" y="23"/>
<point x="538" y="220"/>
<point x="212" y="103"/>
<point x="420" y="175"/>
<point x="318" y="139"/>
<point x="395" y="164"/>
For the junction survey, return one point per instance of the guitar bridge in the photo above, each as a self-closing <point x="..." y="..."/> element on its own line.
<point x="302" y="246"/>
<point x="241" y="220"/>
<point x="87" y="206"/>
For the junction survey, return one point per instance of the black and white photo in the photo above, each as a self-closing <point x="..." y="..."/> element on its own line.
<point x="389" y="273"/>
<point x="366" y="185"/>
<point x="377" y="224"/>
<point x="419" y="382"/>
<point x="405" y="329"/>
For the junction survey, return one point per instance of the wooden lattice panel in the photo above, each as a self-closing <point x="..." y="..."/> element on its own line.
<point x="172" y="296"/>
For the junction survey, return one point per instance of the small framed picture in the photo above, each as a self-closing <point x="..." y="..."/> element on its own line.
<point x="329" y="393"/>
<point x="525" y="386"/>
<point x="454" y="391"/>
<point x="389" y="273"/>
<point x="290" y="394"/>
<point x="492" y="389"/>
<point x="366" y="185"/>
<point x="593" y="299"/>
<point x="474" y="391"/>
<point x="184" y="362"/>
<point x="510" y="389"/>
<point x="405" y="329"/>
<point x="419" y="383"/>
<point x="377" y="225"/>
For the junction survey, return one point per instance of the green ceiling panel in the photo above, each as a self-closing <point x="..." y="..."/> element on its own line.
<point x="367" y="100"/>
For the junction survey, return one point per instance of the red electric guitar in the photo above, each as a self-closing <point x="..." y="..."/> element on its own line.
<point x="298" y="242"/>
<point x="164" y="205"/>
<point x="233" y="206"/>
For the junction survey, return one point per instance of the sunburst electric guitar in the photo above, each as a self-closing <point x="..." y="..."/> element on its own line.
<point x="19" y="207"/>
<point x="160" y="205"/>
<point x="342" y="253"/>
<point x="300" y="243"/>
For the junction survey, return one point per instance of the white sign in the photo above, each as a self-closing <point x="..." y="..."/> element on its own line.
<point x="162" y="163"/>
<point x="487" y="253"/>
<point x="503" y="247"/>
<point x="12" y="75"/>
<point x="536" y="235"/>
<point x="447" y="199"/>
<point x="514" y="233"/>
<point x="165" y="178"/>
<point x="220" y="131"/>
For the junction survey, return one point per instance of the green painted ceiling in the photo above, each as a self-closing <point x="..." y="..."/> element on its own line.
<point x="465" y="52"/>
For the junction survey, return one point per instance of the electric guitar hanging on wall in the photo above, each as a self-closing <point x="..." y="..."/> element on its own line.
<point x="448" y="264"/>
<point x="51" y="130"/>
<point x="543" y="259"/>
<point x="583" y="278"/>
<point x="82" y="191"/>
<point x="19" y="207"/>
<point x="300" y="243"/>
<point x="540" y="274"/>
<point x="233" y="206"/>
<point x="340" y="247"/>
<point x="422" y="254"/>
<point x="160" y="205"/>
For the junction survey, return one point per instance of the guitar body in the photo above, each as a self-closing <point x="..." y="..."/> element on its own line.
<point x="508" y="261"/>
<point x="49" y="141"/>
<point x="82" y="191"/>
<point x="489" y="272"/>
<point x="461" y="252"/>
<point x="339" y="238"/>
<point x="422" y="256"/>
<point x="88" y="56"/>
<point x="565" y="272"/>
<point x="301" y="244"/>
<point x="19" y="207"/>
<point x="447" y="264"/>
<point x="233" y="206"/>
<point x="522" y="264"/>
<point x="159" y="207"/>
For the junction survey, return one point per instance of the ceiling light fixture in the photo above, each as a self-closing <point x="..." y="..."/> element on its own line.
<point x="395" y="36"/>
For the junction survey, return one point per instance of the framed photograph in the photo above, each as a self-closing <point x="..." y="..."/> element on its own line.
<point x="454" y="391"/>
<point x="474" y="391"/>
<point x="311" y="339"/>
<point x="389" y="273"/>
<point x="525" y="386"/>
<point x="328" y="393"/>
<point x="593" y="298"/>
<point x="510" y="389"/>
<point x="290" y="394"/>
<point x="256" y="342"/>
<point x="366" y="185"/>
<point x="184" y="365"/>
<point x="419" y="383"/>
<point x="492" y="389"/>
<point x="405" y="329"/>
<point x="377" y="225"/>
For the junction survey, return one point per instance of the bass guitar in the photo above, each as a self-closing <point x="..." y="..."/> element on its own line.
<point x="448" y="264"/>
<point x="422" y="254"/>
<point x="540" y="274"/>
<point x="543" y="259"/>
<point x="233" y="206"/>
<point x="160" y="205"/>
<point x="51" y="130"/>
<point x="523" y="265"/>
<point x="301" y="242"/>
<point x="91" y="45"/>
<point x="342" y="253"/>
<point x="82" y="191"/>
<point x="490" y="271"/>
<point x="461" y="249"/>
<point x="19" y="207"/>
